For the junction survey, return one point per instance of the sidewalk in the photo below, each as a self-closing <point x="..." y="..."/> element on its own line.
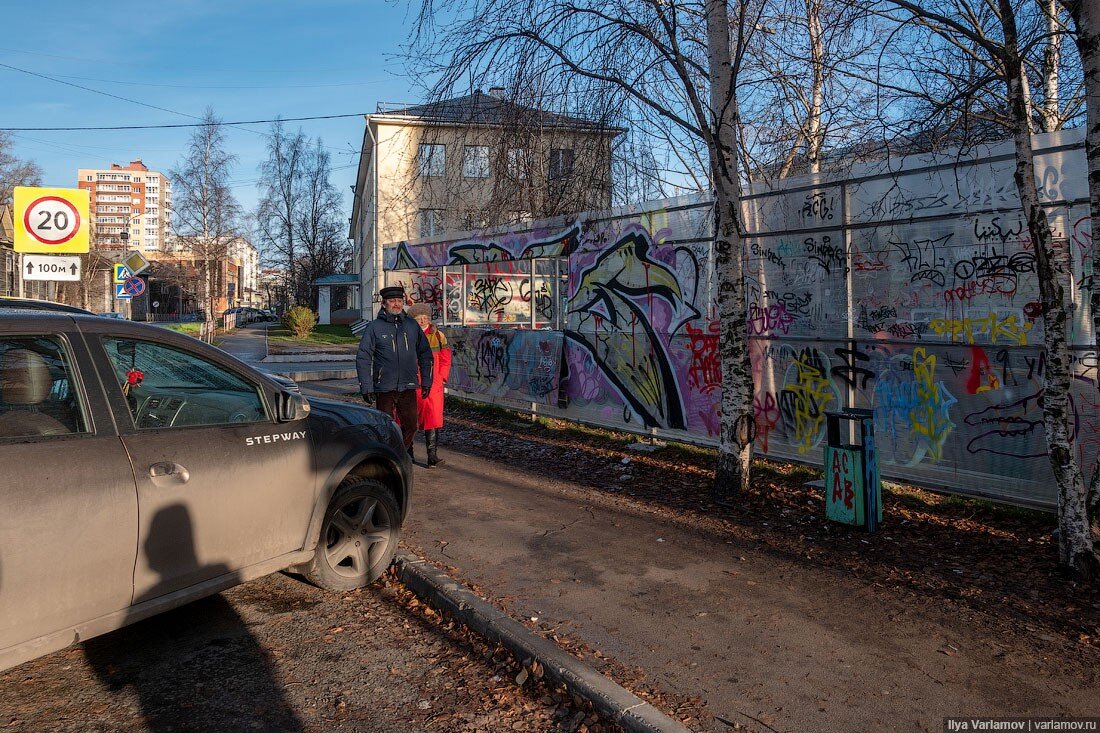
<point x="769" y="642"/>
<point x="249" y="344"/>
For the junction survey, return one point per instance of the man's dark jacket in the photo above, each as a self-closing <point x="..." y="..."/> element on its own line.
<point x="392" y="353"/>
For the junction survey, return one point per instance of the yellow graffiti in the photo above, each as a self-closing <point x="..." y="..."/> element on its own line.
<point x="1006" y="328"/>
<point x="929" y="417"/>
<point x="808" y="398"/>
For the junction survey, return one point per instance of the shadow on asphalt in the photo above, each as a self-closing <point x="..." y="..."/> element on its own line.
<point x="196" y="668"/>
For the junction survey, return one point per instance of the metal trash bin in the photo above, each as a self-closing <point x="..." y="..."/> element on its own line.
<point x="853" y="491"/>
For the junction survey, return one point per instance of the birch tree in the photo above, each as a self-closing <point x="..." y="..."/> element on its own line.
<point x="679" y="61"/>
<point x="1086" y="22"/>
<point x="994" y="39"/>
<point x="206" y="213"/>
<point x="281" y="196"/>
<point x="319" y="225"/>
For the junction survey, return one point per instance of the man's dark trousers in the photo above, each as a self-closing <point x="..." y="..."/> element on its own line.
<point x="402" y="407"/>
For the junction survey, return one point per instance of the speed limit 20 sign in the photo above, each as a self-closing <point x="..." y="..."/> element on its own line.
<point x="51" y="220"/>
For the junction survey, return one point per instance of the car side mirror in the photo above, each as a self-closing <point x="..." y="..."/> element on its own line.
<point x="292" y="407"/>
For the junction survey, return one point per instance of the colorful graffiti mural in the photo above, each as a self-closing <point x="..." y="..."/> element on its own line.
<point x="911" y="294"/>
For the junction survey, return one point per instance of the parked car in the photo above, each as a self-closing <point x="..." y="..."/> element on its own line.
<point x="117" y="316"/>
<point x="143" y="469"/>
<point x="7" y="302"/>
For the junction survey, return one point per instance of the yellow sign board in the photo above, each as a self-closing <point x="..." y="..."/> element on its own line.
<point x="136" y="263"/>
<point x="51" y="220"/>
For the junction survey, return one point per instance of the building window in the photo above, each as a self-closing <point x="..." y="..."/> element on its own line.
<point x="519" y="162"/>
<point x="432" y="160"/>
<point x="87" y="178"/>
<point x="431" y="222"/>
<point x="475" y="161"/>
<point x="561" y="163"/>
<point x="475" y="220"/>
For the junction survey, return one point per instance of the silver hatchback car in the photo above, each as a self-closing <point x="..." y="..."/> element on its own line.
<point x="141" y="469"/>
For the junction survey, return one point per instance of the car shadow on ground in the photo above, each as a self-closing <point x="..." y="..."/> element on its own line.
<point x="194" y="668"/>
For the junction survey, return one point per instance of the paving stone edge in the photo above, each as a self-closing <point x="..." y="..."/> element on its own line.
<point x="446" y="595"/>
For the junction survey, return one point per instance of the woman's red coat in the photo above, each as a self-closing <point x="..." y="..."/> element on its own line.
<point x="431" y="409"/>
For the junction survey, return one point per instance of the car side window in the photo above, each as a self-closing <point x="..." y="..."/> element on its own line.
<point x="37" y="393"/>
<point x="171" y="388"/>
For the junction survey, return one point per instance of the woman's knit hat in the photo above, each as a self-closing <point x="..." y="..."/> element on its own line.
<point x="420" y="309"/>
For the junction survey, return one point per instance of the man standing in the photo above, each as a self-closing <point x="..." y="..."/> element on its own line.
<point x="395" y="360"/>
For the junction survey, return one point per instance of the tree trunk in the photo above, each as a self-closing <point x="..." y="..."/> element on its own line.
<point x="736" y="425"/>
<point x="1075" y="541"/>
<point x="815" y="139"/>
<point x="1086" y="21"/>
<point x="1050" y="114"/>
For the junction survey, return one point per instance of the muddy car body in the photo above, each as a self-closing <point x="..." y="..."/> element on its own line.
<point x="141" y="469"/>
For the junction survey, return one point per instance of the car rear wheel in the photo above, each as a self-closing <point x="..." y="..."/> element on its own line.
<point x="359" y="537"/>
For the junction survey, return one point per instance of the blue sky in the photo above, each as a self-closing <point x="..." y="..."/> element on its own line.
<point x="247" y="59"/>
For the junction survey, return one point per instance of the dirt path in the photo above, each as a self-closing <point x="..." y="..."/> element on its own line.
<point x="781" y="621"/>
<point x="279" y="655"/>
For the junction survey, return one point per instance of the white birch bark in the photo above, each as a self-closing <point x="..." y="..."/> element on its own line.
<point x="1050" y="113"/>
<point x="736" y="426"/>
<point x="1086" y="21"/>
<point x="815" y="139"/>
<point x="1075" y="541"/>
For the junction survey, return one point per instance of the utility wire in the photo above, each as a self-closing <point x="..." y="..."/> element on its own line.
<point x="162" y="127"/>
<point x="95" y="91"/>
<point x="143" y="104"/>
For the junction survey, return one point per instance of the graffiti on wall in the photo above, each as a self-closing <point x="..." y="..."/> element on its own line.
<point x="913" y="296"/>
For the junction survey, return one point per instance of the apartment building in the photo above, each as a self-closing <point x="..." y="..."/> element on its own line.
<point x="130" y="207"/>
<point x="466" y="164"/>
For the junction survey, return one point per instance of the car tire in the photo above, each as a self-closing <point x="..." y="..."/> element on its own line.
<point x="358" y="538"/>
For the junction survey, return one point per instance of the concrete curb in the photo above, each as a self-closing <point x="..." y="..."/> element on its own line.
<point x="446" y="595"/>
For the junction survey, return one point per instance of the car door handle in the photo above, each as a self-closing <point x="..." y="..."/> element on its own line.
<point x="169" y="469"/>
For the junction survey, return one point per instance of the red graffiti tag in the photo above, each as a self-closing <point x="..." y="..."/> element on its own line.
<point x="705" y="374"/>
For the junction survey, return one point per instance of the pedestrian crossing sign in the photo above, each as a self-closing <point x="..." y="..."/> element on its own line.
<point x="122" y="274"/>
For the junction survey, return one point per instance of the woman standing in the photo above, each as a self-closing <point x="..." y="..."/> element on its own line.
<point x="430" y="409"/>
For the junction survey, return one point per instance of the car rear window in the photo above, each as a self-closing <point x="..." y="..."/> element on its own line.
<point x="37" y="391"/>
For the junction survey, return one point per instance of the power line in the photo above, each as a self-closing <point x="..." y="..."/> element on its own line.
<point x="176" y="67"/>
<point x="89" y="89"/>
<point x="197" y="86"/>
<point x="162" y="127"/>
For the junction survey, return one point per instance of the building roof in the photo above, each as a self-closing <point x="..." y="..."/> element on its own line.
<point x="487" y="109"/>
<point x="338" y="279"/>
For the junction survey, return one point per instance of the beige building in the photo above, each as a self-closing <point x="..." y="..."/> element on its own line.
<point x="466" y="164"/>
<point x="130" y="208"/>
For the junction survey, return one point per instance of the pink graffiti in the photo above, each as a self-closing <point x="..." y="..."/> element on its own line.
<point x="766" y="413"/>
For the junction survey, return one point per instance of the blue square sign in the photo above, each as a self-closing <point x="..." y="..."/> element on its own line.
<point x="120" y="292"/>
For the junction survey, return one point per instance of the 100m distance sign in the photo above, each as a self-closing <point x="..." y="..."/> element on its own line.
<point x="51" y="220"/>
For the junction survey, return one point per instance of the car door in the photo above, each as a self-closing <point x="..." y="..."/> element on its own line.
<point x="221" y="485"/>
<point x="68" y="523"/>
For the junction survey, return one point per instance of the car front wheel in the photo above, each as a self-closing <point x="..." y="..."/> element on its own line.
<point x="359" y="537"/>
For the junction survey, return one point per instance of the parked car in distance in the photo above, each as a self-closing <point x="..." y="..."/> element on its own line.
<point x="143" y="469"/>
<point x="117" y="316"/>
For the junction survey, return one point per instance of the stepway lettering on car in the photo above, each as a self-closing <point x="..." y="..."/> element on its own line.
<point x="258" y="439"/>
